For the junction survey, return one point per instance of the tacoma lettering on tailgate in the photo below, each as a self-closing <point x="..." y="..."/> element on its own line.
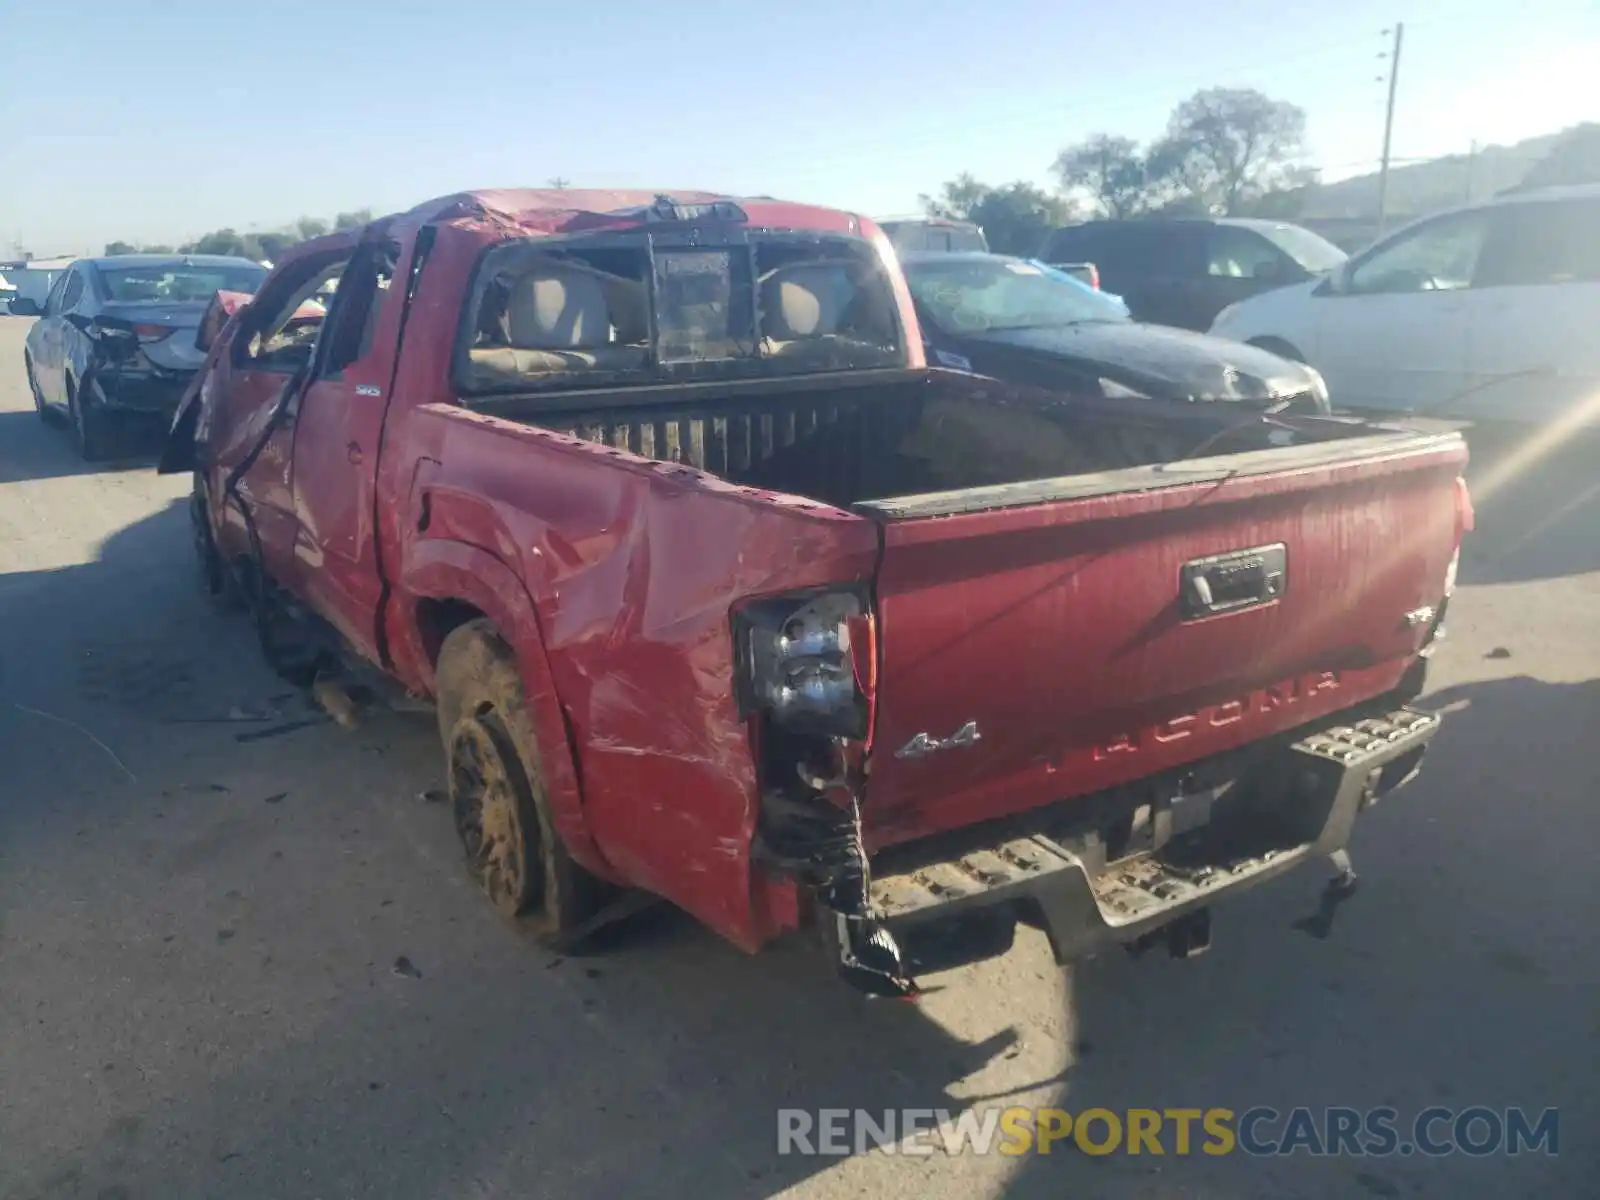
<point x="1215" y="716"/>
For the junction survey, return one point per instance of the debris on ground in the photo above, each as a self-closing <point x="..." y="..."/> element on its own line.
<point x="405" y="968"/>
<point x="257" y="735"/>
<point x="336" y="702"/>
<point x="110" y="753"/>
<point x="1498" y="652"/>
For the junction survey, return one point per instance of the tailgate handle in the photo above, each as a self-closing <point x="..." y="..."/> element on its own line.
<point x="1229" y="582"/>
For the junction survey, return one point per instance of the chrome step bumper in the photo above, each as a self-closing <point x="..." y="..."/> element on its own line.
<point x="1308" y="801"/>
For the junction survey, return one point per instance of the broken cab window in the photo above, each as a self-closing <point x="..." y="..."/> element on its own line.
<point x="283" y="334"/>
<point x="825" y="305"/>
<point x="542" y="314"/>
<point x="354" y="308"/>
<point x="703" y="305"/>
<point x="641" y="311"/>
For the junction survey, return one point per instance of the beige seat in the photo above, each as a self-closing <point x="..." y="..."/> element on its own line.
<point x="800" y="304"/>
<point x="802" y="308"/>
<point x="557" y="321"/>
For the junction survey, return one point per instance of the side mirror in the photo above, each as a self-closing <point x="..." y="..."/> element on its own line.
<point x="23" y="306"/>
<point x="1336" y="282"/>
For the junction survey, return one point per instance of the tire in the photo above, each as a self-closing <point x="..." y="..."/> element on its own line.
<point x="39" y="406"/>
<point x="217" y="583"/>
<point x="497" y="791"/>
<point x="92" y="432"/>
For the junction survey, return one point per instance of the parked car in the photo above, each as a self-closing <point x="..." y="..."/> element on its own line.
<point x="32" y="279"/>
<point x="1184" y="271"/>
<point x="1021" y="321"/>
<point x="115" y="339"/>
<point x="934" y="233"/>
<point x="724" y="596"/>
<point x="1485" y="313"/>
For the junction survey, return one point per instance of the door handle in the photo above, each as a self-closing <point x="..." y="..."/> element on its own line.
<point x="353" y="453"/>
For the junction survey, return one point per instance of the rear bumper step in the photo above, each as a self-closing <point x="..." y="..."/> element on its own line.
<point x="1302" y="805"/>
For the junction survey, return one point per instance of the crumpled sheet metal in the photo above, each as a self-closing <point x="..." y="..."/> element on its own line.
<point x="635" y="569"/>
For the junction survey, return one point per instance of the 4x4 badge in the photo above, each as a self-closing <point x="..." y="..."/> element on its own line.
<point x="924" y="744"/>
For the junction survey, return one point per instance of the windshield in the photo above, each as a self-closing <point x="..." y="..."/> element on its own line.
<point x="1311" y="250"/>
<point x="974" y="295"/>
<point x="177" y="283"/>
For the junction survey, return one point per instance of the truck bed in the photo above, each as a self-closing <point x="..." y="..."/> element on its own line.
<point x="873" y="436"/>
<point x="1073" y="594"/>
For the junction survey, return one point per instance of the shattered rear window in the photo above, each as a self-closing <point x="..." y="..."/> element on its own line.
<point x="177" y="283"/>
<point x="638" y="309"/>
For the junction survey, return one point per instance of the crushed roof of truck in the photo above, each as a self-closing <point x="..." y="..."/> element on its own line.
<point x="573" y="210"/>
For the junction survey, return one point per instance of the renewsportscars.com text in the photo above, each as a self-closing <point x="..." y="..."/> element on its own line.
<point x="1476" y="1131"/>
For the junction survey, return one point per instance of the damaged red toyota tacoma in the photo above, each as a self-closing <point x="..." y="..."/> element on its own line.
<point x="723" y="596"/>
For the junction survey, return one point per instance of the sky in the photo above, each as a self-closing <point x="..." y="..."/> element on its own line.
<point x="159" y="122"/>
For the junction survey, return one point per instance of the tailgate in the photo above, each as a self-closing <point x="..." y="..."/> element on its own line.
<point x="1050" y="639"/>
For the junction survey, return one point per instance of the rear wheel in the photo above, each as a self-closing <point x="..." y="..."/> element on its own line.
<point x="92" y="432"/>
<point x="497" y="791"/>
<point x="216" y="581"/>
<point x="39" y="406"/>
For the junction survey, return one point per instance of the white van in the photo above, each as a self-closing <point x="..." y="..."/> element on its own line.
<point x="1487" y="313"/>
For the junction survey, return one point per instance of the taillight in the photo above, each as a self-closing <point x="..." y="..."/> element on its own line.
<point x="152" y="333"/>
<point x="798" y="662"/>
<point x="1094" y="277"/>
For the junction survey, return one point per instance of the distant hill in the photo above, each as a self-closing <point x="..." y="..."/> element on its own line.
<point x="1419" y="188"/>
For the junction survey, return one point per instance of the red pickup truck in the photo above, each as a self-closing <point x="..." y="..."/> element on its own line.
<point x="723" y="596"/>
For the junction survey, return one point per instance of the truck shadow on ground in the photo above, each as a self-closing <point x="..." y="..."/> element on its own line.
<point x="1461" y="973"/>
<point x="658" y="1067"/>
<point x="35" y="448"/>
<point x="654" y="1065"/>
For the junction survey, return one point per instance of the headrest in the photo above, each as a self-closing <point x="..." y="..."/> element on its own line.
<point x="557" y="308"/>
<point x="805" y="300"/>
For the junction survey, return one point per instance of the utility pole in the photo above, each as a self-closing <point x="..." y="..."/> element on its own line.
<point x="1472" y="164"/>
<point x="1388" y="126"/>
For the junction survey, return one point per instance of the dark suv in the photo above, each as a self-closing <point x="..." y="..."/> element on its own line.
<point x="1185" y="271"/>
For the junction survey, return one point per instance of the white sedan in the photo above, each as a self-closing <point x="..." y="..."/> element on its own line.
<point x="1484" y="313"/>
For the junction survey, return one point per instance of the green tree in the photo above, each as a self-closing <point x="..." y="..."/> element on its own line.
<point x="274" y="244"/>
<point x="1111" y="170"/>
<point x="221" y="241"/>
<point x="310" y="227"/>
<point x="1014" y="218"/>
<point x="1288" y="200"/>
<point x="353" y="220"/>
<point x="1227" y="147"/>
<point x="157" y="250"/>
<point x="114" y="248"/>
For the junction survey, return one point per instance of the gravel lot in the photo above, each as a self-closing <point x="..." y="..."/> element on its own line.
<point x="199" y="928"/>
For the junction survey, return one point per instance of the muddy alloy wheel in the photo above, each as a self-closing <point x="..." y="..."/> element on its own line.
<point x="489" y="794"/>
<point x="497" y="789"/>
